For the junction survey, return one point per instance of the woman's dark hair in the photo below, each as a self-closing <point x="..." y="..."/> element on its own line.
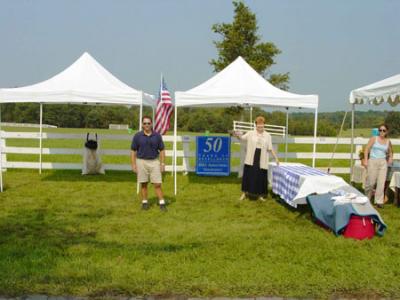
<point x="385" y="125"/>
<point x="387" y="128"/>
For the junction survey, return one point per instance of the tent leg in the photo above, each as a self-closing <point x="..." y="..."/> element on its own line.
<point x="251" y="114"/>
<point x="140" y="116"/>
<point x="175" y="148"/>
<point x="140" y="128"/>
<point x="1" y="156"/>
<point x="352" y="142"/>
<point x="286" y="133"/>
<point x="315" y="137"/>
<point x="41" y="138"/>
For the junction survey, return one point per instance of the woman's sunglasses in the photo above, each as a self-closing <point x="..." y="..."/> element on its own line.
<point x="146" y="123"/>
<point x="382" y="130"/>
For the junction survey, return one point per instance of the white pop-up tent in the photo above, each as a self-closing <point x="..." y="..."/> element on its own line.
<point x="383" y="91"/>
<point x="240" y="85"/>
<point x="84" y="82"/>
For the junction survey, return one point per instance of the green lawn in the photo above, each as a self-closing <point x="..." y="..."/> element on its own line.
<point x="61" y="233"/>
<point x="66" y="234"/>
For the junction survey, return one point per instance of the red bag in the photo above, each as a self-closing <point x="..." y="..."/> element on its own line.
<point x="360" y="228"/>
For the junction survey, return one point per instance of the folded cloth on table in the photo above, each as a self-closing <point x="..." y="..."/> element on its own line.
<point x="349" y="198"/>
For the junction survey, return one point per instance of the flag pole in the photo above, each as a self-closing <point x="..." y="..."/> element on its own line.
<point x="175" y="147"/>
<point x="157" y="102"/>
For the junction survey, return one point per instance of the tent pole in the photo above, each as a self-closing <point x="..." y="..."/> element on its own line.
<point x="140" y="116"/>
<point x="251" y="114"/>
<point x="41" y="138"/>
<point x="352" y="142"/>
<point x="140" y="128"/>
<point x="286" y="133"/>
<point x="1" y="156"/>
<point x="175" y="148"/>
<point x="315" y="137"/>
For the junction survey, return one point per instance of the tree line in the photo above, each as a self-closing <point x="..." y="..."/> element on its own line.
<point x="218" y="120"/>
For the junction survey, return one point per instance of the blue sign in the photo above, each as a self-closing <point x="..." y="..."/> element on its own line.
<point x="213" y="155"/>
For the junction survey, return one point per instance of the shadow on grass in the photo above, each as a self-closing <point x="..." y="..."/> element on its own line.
<point x="75" y="175"/>
<point x="33" y="229"/>
<point x="231" y="179"/>
<point x="35" y="243"/>
<point x="302" y="210"/>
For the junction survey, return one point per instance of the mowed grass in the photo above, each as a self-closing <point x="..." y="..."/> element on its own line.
<point x="66" y="234"/>
<point x="62" y="233"/>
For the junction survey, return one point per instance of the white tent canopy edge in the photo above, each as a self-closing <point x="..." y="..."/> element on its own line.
<point x="383" y="91"/>
<point x="84" y="82"/>
<point x="240" y="85"/>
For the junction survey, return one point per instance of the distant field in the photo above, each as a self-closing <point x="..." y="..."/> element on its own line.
<point x="119" y="144"/>
<point x="358" y="132"/>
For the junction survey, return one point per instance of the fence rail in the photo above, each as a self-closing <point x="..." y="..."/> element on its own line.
<point x="185" y="152"/>
<point x="248" y="126"/>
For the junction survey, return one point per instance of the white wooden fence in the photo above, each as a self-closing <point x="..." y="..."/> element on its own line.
<point x="248" y="126"/>
<point x="185" y="152"/>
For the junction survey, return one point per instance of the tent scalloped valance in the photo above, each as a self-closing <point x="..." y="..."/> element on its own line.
<point x="393" y="100"/>
<point x="383" y="91"/>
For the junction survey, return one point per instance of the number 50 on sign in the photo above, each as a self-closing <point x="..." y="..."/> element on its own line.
<point x="213" y="155"/>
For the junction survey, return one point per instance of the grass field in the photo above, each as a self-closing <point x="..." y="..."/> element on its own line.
<point x="65" y="234"/>
<point x="119" y="144"/>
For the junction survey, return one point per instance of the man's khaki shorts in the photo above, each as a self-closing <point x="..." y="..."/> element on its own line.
<point x="148" y="168"/>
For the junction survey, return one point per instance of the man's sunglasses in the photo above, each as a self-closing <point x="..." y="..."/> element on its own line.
<point x="146" y="123"/>
<point x="382" y="130"/>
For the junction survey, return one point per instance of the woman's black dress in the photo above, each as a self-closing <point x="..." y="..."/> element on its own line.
<point x="255" y="179"/>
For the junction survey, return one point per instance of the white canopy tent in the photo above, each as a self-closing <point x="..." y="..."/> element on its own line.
<point x="240" y="85"/>
<point x="383" y="91"/>
<point x="84" y="82"/>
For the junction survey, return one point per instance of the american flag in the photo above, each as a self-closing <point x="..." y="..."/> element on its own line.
<point x="163" y="110"/>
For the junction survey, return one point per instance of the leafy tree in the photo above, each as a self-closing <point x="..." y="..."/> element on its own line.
<point x="393" y="121"/>
<point x="240" y="38"/>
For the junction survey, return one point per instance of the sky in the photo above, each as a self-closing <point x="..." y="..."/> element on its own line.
<point x="328" y="47"/>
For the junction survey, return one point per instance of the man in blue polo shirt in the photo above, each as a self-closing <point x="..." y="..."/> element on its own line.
<point x="147" y="158"/>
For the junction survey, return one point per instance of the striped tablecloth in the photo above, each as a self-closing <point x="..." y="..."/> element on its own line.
<point x="294" y="182"/>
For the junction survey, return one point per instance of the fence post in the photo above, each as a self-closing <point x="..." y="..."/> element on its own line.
<point x="186" y="154"/>
<point x="1" y="161"/>
<point x="3" y="154"/>
<point x="242" y="156"/>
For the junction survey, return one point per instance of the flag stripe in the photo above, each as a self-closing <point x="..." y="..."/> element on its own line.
<point x="163" y="110"/>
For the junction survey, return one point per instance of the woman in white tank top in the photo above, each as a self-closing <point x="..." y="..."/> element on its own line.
<point x="378" y="155"/>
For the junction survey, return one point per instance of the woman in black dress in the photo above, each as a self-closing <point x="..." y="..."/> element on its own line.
<point x="255" y="172"/>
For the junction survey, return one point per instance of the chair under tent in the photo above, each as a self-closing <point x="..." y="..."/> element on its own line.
<point x="84" y="82"/>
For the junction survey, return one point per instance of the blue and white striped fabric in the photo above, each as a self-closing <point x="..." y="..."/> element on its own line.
<point x="286" y="180"/>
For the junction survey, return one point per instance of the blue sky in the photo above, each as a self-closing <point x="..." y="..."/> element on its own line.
<point x="329" y="47"/>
